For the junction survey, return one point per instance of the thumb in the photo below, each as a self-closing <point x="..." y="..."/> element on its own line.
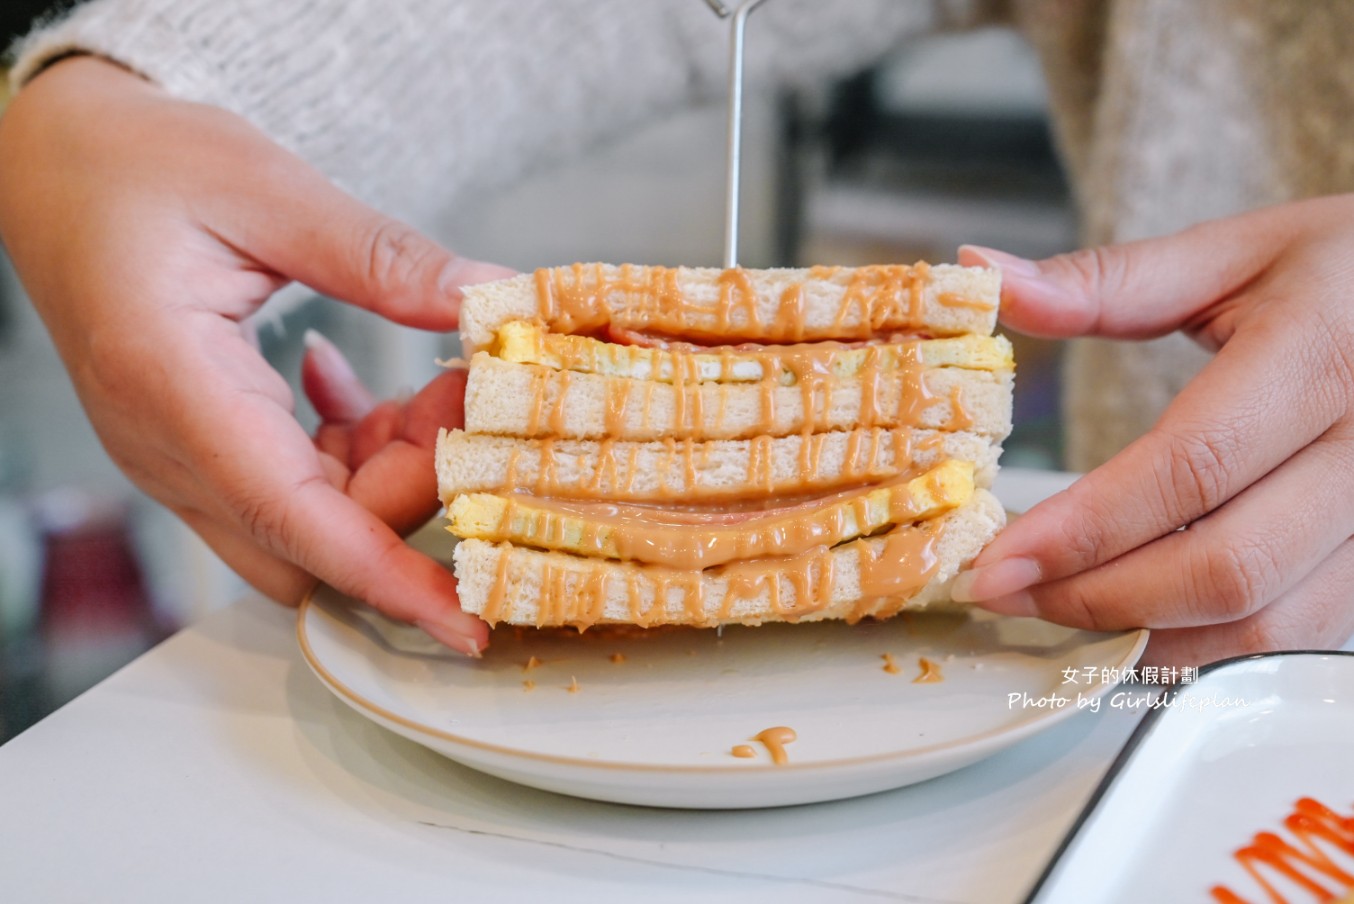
<point x="1136" y="290"/>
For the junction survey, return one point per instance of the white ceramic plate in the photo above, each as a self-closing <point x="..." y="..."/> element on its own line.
<point x="1228" y="758"/>
<point x="658" y="727"/>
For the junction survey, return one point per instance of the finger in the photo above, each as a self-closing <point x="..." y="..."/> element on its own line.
<point x="331" y="384"/>
<point x="1317" y="614"/>
<point x="335" y="440"/>
<point x="1234" y="423"/>
<point x="290" y="509"/>
<point x="1225" y="567"/>
<point x="377" y="430"/>
<point x="399" y="482"/>
<point x="439" y="404"/>
<point x="287" y="583"/>
<point x="275" y="578"/>
<point x="294" y="221"/>
<point x="1139" y="289"/>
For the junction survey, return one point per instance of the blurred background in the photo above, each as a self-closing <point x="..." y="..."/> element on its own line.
<point x="945" y="142"/>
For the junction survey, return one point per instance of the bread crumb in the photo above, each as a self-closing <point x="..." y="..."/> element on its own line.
<point x="573" y="685"/>
<point x="528" y="685"/>
<point x="532" y="663"/>
<point x="617" y="658"/>
<point x="889" y="665"/>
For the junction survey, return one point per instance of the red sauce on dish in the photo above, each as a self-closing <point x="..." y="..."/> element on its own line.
<point x="1304" y="860"/>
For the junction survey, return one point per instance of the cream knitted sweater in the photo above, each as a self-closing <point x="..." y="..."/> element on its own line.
<point x="1168" y="112"/>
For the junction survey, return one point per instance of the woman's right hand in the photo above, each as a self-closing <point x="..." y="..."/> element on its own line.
<point x="145" y="229"/>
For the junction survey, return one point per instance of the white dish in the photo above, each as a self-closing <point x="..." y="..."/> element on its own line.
<point x="658" y="728"/>
<point x="1227" y="759"/>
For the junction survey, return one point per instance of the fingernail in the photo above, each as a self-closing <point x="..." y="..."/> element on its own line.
<point x="329" y="357"/>
<point x="449" y="637"/>
<point x="1020" y="605"/>
<point x="1008" y="264"/>
<point x="991" y="581"/>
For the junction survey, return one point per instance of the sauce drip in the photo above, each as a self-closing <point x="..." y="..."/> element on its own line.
<point x="1305" y="861"/>
<point x="743" y="751"/>
<point x="930" y="672"/>
<point x="774" y="740"/>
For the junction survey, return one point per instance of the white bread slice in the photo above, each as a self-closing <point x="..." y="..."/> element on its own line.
<point x="529" y="400"/>
<point x="694" y="471"/>
<point x="516" y="585"/>
<point x="529" y="343"/>
<point x="832" y="302"/>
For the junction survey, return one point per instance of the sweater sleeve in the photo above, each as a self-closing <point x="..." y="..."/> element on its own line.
<point x="390" y="99"/>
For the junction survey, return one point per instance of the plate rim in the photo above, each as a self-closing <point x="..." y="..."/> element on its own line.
<point x="1038" y="720"/>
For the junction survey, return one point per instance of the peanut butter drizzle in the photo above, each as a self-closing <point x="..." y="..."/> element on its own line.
<point x="617" y="399"/>
<point x="736" y="294"/>
<point x="582" y="298"/>
<point x="955" y="300"/>
<point x="556" y="419"/>
<point x="603" y="470"/>
<point x="789" y="323"/>
<point x="774" y="740"/>
<point x="869" y="454"/>
<point x="811" y="575"/>
<point x="676" y="540"/>
<point x="514" y="458"/>
<point x="960" y="418"/>
<point x="892" y="571"/>
<point x="498" y="594"/>
<point x="547" y="478"/>
<point x="631" y="467"/>
<point x="889" y="574"/>
<point x="540" y="379"/>
<point x="930" y="672"/>
<point x="743" y="751"/>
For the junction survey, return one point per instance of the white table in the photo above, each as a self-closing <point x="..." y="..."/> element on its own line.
<point x="217" y="768"/>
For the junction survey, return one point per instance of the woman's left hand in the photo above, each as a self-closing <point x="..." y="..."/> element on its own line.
<point x="1226" y="528"/>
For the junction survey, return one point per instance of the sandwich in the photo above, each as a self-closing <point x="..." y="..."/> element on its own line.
<point x="688" y="446"/>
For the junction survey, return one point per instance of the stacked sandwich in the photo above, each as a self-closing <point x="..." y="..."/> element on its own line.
<point x="656" y="446"/>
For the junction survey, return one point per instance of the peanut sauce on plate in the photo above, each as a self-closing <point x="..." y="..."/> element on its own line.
<point x="773" y="739"/>
<point x="930" y="672"/>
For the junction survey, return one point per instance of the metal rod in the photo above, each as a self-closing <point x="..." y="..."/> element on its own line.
<point x="735" y="141"/>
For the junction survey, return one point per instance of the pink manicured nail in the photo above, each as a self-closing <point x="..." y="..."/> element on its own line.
<point x="998" y="579"/>
<point x="1020" y="604"/>
<point x="1008" y="264"/>
<point x="451" y="638"/>
<point x="350" y="398"/>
